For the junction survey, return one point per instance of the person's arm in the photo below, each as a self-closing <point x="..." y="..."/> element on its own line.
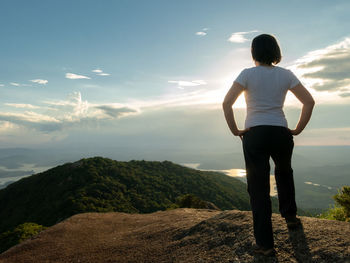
<point x="227" y="104"/>
<point x="308" y="104"/>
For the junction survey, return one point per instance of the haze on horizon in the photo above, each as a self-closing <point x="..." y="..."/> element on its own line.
<point x="152" y="75"/>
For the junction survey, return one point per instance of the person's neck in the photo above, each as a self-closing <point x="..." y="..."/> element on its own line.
<point x="257" y="63"/>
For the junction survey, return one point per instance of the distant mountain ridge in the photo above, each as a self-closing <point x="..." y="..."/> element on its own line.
<point x="104" y="185"/>
<point x="324" y="165"/>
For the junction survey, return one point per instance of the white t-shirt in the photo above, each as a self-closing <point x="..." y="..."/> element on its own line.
<point x="265" y="90"/>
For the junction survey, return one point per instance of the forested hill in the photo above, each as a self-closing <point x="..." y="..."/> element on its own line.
<point x="100" y="184"/>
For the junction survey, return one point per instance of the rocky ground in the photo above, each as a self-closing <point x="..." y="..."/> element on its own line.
<point x="180" y="235"/>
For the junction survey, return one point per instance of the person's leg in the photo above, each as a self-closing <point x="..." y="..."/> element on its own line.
<point x="257" y="157"/>
<point x="282" y="155"/>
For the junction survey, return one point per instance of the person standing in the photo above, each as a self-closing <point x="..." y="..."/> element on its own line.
<point x="266" y="134"/>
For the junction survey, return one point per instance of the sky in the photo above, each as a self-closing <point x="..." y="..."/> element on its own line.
<point x="153" y="74"/>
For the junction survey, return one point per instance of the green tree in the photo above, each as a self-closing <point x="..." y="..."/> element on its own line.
<point x="190" y="201"/>
<point x="18" y="234"/>
<point x="341" y="210"/>
<point x="343" y="199"/>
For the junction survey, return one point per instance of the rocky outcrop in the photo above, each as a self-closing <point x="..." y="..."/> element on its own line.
<point x="180" y="235"/>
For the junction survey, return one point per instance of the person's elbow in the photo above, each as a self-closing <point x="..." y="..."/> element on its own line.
<point x="310" y="102"/>
<point x="226" y="104"/>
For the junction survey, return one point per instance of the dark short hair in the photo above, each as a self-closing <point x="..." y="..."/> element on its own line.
<point x="265" y="49"/>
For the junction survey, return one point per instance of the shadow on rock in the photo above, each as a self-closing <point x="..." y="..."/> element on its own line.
<point x="263" y="259"/>
<point x="224" y="232"/>
<point x="301" y="249"/>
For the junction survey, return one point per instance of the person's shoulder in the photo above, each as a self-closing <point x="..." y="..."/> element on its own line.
<point x="282" y="69"/>
<point x="247" y="70"/>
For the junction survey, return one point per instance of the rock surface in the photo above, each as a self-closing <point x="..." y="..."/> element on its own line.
<point x="180" y="235"/>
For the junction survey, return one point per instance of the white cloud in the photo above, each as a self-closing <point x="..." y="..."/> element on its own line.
<point x="202" y="32"/>
<point x="75" y="76"/>
<point x="72" y="109"/>
<point x="19" y="105"/>
<point x="63" y="114"/>
<point x="32" y="120"/>
<point x="239" y="37"/>
<point x="327" y="69"/>
<point x="19" y="84"/>
<point x="40" y="81"/>
<point x="199" y="82"/>
<point x="28" y="116"/>
<point x="182" y="83"/>
<point x="75" y="111"/>
<point x="2" y="85"/>
<point x="100" y="72"/>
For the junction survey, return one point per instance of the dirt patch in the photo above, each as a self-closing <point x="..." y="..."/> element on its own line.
<point x="180" y="235"/>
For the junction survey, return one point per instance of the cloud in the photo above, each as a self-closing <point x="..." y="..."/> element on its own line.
<point x="29" y="116"/>
<point x="63" y="114"/>
<point x="100" y="72"/>
<point x="40" y="81"/>
<point x="116" y="112"/>
<point x="72" y="109"/>
<point x="239" y="37"/>
<point x="2" y="85"/>
<point x="182" y="83"/>
<point x="202" y="32"/>
<point x="327" y="69"/>
<point x="19" y="105"/>
<point x="345" y="94"/>
<point x="19" y="85"/>
<point x="75" y="76"/>
<point x="31" y="119"/>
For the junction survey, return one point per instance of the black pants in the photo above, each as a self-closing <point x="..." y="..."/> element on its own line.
<point x="259" y="144"/>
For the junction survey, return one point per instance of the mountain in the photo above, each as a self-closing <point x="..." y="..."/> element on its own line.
<point x="104" y="185"/>
<point x="180" y="235"/>
<point x="319" y="171"/>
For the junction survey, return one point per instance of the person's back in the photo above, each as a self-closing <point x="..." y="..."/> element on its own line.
<point x="265" y="91"/>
